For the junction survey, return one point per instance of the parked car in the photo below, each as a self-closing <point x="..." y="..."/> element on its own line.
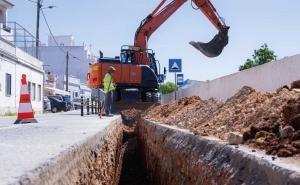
<point x="63" y="98"/>
<point x="58" y="105"/>
<point x="76" y="103"/>
<point x="47" y="104"/>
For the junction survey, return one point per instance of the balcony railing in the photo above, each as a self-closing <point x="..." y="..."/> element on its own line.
<point x="20" y="37"/>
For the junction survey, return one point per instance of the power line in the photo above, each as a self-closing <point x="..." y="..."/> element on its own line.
<point x="55" y="40"/>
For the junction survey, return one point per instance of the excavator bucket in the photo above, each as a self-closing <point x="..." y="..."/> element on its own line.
<point x="214" y="47"/>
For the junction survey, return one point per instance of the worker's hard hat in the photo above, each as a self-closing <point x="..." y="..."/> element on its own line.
<point x="111" y="69"/>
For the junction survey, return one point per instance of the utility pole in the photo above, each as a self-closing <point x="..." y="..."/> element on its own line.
<point x="37" y="28"/>
<point x="67" y="71"/>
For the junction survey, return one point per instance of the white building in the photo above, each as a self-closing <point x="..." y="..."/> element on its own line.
<point x="54" y="57"/>
<point x="13" y="63"/>
<point x="50" y="85"/>
<point x="85" y="91"/>
<point x="75" y="87"/>
<point x="67" y="40"/>
<point x="4" y="6"/>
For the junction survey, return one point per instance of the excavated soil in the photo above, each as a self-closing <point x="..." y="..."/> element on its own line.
<point x="133" y="172"/>
<point x="268" y="121"/>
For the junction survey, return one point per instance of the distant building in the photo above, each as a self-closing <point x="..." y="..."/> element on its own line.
<point x="54" y="57"/>
<point x="75" y="87"/>
<point x="188" y="83"/>
<point x="67" y="40"/>
<point x="85" y="91"/>
<point x="50" y="85"/>
<point x="15" y="61"/>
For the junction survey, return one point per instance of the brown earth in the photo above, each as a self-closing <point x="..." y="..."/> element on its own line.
<point x="132" y="168"/>
<point x="262" y="118"/>
<point x="119" y="106"/>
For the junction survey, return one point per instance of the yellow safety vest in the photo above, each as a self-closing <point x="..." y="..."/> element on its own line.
<point x="108" y="85"/>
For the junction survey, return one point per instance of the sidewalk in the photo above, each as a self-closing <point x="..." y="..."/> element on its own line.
<point x="24" y="147"/>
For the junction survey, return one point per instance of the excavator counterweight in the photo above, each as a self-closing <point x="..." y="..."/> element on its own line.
<point x="214" y="47"/>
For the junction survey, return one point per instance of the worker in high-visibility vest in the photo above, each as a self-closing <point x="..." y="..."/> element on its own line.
<point x="109" y="87"/>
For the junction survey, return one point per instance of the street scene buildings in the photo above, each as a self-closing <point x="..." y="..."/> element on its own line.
<point x="44" y="66"/>
<point x="176" y="111"/>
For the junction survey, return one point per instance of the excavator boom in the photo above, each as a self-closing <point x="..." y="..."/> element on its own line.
<point x="154" y="20"/>
<point x="215" y="47"/>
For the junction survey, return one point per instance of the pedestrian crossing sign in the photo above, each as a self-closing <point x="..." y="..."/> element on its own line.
<point x="175" y="65"/>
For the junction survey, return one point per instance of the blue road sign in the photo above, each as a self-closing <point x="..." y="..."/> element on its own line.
<point x="179" y="79"/>
<point x="175" y="65"/>
<point x="161" y="78"/>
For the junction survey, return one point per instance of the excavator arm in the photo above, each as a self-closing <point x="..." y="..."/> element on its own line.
<point x="154" y="20"/>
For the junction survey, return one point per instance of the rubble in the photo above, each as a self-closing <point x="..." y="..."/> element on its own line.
<point x="235" y="138"/>
<point x="268" y="121"/>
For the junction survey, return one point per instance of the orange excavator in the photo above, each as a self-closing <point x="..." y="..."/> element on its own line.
<point x="137" y="71"/>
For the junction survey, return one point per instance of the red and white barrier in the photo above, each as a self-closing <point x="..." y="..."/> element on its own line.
<point x="25" y="112"/>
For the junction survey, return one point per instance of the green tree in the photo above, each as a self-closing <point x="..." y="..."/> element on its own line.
<point x="260" y="56"/>
<point x="167" y="88"/>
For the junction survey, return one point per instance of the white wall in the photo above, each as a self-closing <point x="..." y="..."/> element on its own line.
<point x="67" y="40"/>
<point x="264" y="78"/>
<point x="53" y="56"/>
<point x="85" y="91"/>
<point x="73" y="85"/>
<point x="15" y="62"/>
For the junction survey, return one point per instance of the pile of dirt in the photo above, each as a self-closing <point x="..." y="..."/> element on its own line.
<point x="268" y="121"/>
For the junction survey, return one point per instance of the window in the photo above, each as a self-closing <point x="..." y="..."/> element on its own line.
<point x="8" y="85"/>
<point x="39" y="92"/>
<point x="29" y="87"/>
<point x="76" y="94"/>
<point x="33" y="91"/>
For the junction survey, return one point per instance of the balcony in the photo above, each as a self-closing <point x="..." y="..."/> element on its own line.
<point x="15" y="34"/>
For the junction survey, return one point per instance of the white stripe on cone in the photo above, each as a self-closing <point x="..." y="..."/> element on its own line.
<point x="24" y="89"/>
<point x="25" y="107"/>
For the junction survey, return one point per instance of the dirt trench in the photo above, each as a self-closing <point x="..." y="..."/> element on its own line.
<point x="133" y="172"/>
<point x="140" y="150"/>
<point x="118" y="161"/>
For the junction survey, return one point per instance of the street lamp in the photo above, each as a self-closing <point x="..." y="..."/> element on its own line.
<point x="39" y="7"/>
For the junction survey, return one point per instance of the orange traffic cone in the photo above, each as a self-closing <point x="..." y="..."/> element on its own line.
<point x="25" y="112"/>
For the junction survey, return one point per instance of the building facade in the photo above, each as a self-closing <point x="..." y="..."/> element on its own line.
<point x="75" y="87"/>
<point x="50" y="85"/>
<point x="14" y="62"/>
<point x="55" y="57"/>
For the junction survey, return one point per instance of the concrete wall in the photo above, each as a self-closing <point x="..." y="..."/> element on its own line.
<point x="176" y="156"/>
<point x="264" y="78"/>
<point x="15" y="62"/>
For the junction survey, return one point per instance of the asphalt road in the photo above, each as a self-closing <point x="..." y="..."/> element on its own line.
<point x="24" y="147"/>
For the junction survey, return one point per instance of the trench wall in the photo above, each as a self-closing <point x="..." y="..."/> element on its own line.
<point x="179" y="157"/>
<point x="94" y="161"/>
<point x="264" y="78"/>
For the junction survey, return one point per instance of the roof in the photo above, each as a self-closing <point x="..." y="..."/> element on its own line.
<point x="6" y="4"/>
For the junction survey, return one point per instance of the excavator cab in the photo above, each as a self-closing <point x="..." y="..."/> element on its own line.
<point x="130" y="54"/>
<point x="214" y="47"/>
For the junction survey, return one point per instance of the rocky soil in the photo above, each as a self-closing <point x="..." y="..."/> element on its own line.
<point x="132" y="168"/>
<point x="269" y="121"/>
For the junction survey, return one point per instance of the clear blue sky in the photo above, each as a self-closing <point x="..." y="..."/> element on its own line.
<point x="109" y="24"/>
